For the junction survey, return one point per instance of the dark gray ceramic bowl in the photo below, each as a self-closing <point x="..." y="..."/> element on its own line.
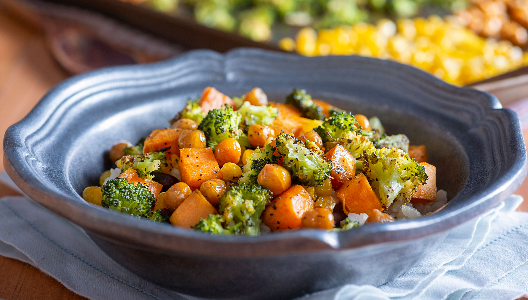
<point x="60" y="148"/>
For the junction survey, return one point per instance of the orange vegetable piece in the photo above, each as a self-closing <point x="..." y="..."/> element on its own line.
<point x="197" y="165"/>
<point x="131" y="175"/>
<point x="419" y="153"/>
<point x="228" y="150"/>
<point x="290" y="125"/>
<point x="324" y="105"/>
<point x="213" y="99"/>
<point x="286" y="211"/>
<point x="194" y="208"/>
<point x="343" y="165"/>
<point x="256" y="97"/>
<point x="358" y="197"/>
<point x="163" y="138"/>
<point x="319" y="218"/>
<point x="426" y="192"/>
<point x="286" y="110"/>
<point x="379" y="217"/>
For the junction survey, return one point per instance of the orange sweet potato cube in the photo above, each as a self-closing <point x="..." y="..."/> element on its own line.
<point x="161" y="139"/>
<point x="343" y="165"/>
<point x="192" y="209"/>
<point x="426" y="192"/>
<point x="358" y="197"/>
<point x="286" y="211"/>
<point x="198" y="165"/>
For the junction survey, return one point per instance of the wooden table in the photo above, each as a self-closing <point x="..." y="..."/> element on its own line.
<point x="27" y="72"/>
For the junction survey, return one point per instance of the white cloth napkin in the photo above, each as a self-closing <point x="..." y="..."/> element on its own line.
<point x="485" y="258"/>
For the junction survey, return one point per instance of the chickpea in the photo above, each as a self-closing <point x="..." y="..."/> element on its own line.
<point x="274" y="177"/>
<point x="176" y="194"/>
<point x="319" y="218"/>
<point x="93" y="194"/>
<point x="328" y="202"/>
<point x="260" y="135"/>
<point x="325" y="189"/>
<point x="257" y="97"/>
<point x="103" y="177"/>
<point x="191" y="139"/>
<point x="228" y="150"/>
<point x="117" y="151"/>
<point x="231" y="171"/>
<point x="213" y="190"/>
<point x="247" y="154"/>
<point x="363" y="121"/>
<point x="185" y="124"/>
<point x="313" y="137"/>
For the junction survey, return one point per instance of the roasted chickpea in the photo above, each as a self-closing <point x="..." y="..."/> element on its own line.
<point x="328" y="202"/>
<point x="319" y="218"/>
<point x="117" y="151"/>
<point x="228" y="150"/>
<point x="213" y="190"/>
<point x="191" y="139"/>
<point x="247" y="154"/>
<point x="260" y="135"/>
<point x="103" y="177"/>
<point x="93" y="194"/>
<point x="185" y="124"/>
<point x="313" y="137"/>
<point x="363" y="121"/>
<point x="176" y="194"/>
<point x="274" y="177"/>
<point x="257" y="97"/>
<point x="325" y="189"/>
<point x="231" y="171"/>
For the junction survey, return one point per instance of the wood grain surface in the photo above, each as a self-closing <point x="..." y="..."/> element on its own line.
<point x="27" y="72"/>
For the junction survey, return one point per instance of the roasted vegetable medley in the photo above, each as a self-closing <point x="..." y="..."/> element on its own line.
<point x="246" y="165"/>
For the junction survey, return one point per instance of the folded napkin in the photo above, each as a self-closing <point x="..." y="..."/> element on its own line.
<point x="485" y="258"/>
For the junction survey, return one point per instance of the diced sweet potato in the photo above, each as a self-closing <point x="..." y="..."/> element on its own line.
<point x="358" y="197"/>
<point x="256" y="97"/>
<point x="379" y="217"/>
<point x="213" y="99"/>
<point x="197" y="165"/>
<point x="290" y="125"/>
<point x="286" y="110"/>
<point x="194" y="208"/>
<point x="419" y="153"/>
<point x="161" y="139"/>
<point x="131" y="175"/>
<point x="427" y="192"/>
<point x="286" y="211"/>
<point x="343" y="165"/>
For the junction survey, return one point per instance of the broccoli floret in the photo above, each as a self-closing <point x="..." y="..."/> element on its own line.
<point x="306" y="166"/>
<point x="336" y="126"/>
<point x="252" y="114"/>
<point x="192" y="110"/>
<point x="355" y="142"/>
<point x="304" y="102"/>
<point x="221" y="124"/>
<point x="334" y="110"/>
<point x="130" y="198"/>
<point x="255" y="163"/>
<point x="400" y="141"/>
<point x="144" y="164"/>
<point x="242" y="206"/>
<point x="347" y="224"/>
<point x="134" y="150"/>
<point x="212" y="225"/>
<point x="160" y="215"/>
<point x="392" y="173"/>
